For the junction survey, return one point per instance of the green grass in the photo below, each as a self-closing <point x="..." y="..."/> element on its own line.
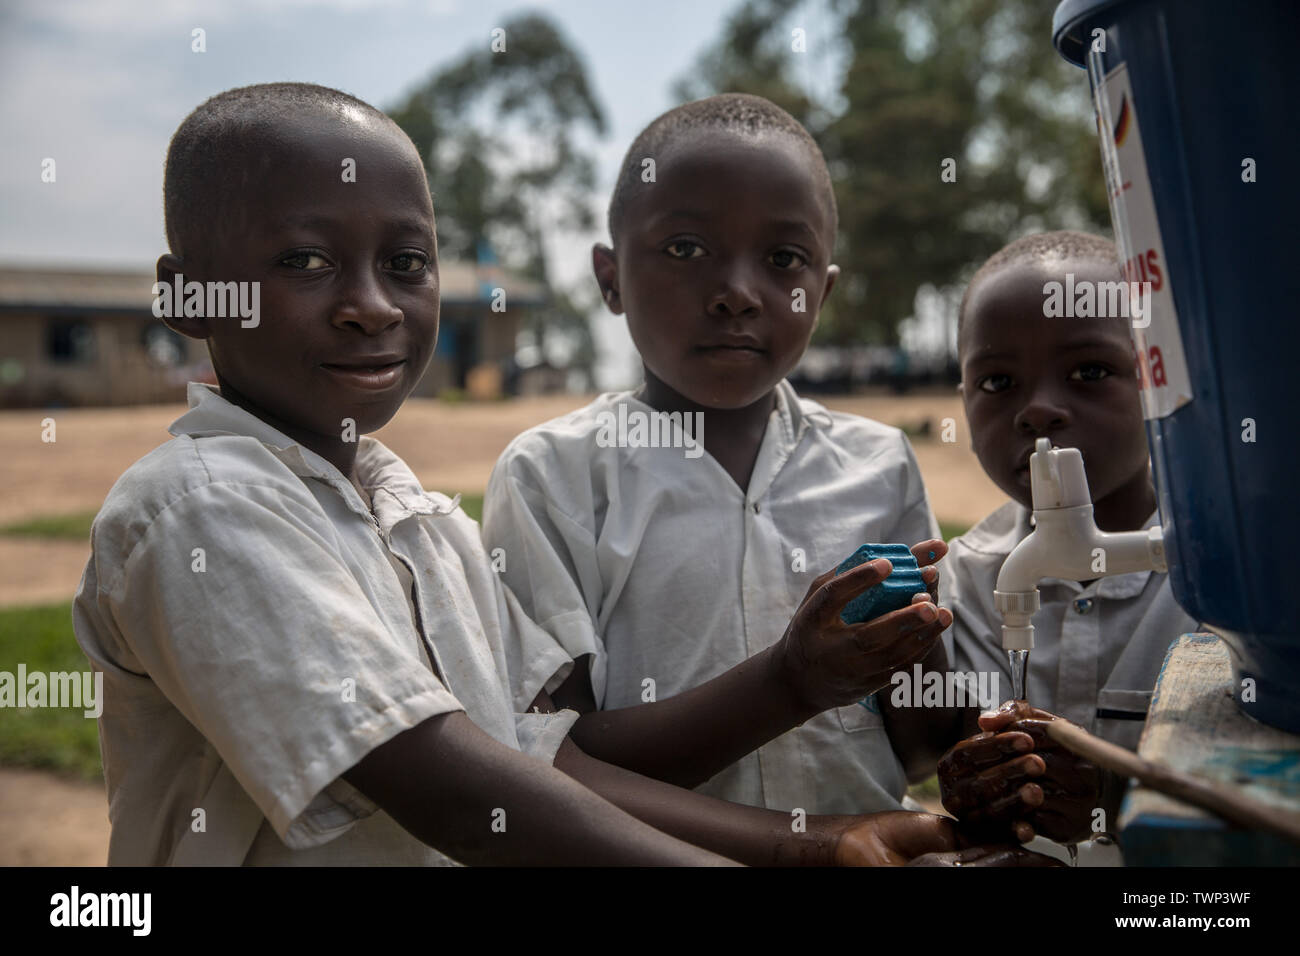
<point x="472" y="505"/>
<point x="926" y="788"/>
<point x="76" y="527"/>
<point x="952" y="529"/>
<point x="61" y="739"/>
<point x="68" y="527"/>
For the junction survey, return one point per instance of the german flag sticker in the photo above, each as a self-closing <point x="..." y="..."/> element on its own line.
<point x="1124" y="122"/>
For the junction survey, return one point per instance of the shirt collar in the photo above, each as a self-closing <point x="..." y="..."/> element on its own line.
<point x="799" y="412"/>
<point x="395" y="491"/>
<point x="793" y="414"/>
<point x="1000" y="532"/>
<point x="790" y="418"/>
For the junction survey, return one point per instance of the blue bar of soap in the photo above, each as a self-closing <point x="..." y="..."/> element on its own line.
<point x="890" y="594"/>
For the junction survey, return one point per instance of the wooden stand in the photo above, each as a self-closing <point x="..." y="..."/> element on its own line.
<point x="1195" y="727"/>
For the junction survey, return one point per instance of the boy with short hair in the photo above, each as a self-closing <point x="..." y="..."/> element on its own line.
<point x="1099" y="645"/>
<point x="307" y="658"/>
<point x="675" y="572"/>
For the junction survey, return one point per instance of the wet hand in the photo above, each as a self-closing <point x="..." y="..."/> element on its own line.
<point x="1014" y="776"/>
<point x="1000" y="855"/>
<point x="902" y="838"/>
<point x="895" y="838"/>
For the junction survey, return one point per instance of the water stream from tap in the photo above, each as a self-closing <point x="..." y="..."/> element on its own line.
<point x="1019" y="663"/>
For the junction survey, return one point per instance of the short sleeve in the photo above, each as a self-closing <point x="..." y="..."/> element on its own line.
<point x="550" y="563"/>
<point x="535" y="660"/>
<point x="271" y="648"/>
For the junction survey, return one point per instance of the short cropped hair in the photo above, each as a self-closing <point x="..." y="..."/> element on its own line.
<point x="1038" y="247"/>
<point x="208" y="155"/>
<point x="730" y="112"/>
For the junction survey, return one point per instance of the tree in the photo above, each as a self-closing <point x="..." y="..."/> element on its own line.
<point x="753" y="55"/>
<point x="500" y="134"/>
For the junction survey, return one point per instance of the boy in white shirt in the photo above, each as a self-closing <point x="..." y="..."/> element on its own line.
<point x="1098" y="645"/>
<point x="307" y="658"/>
<point x="675" y="572"/>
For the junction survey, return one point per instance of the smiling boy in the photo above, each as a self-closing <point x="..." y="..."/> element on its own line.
<point x="676" y="576"/>
<point x="249" y="595"/>
<point x="307" y="658"/>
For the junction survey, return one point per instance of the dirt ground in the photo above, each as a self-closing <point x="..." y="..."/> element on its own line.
<point x="46" y="820"/>
<point x="450" y="447"/>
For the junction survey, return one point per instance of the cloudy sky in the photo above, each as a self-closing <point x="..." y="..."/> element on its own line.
<point x="100" y="85"/>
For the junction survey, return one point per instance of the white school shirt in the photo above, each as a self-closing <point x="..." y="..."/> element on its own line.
<point x="258" y="635"/>
<point x="663" y="570"/>
<point x="1097" y="649"/>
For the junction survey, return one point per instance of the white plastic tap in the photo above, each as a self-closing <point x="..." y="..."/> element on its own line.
<point x="1065" y="543"/>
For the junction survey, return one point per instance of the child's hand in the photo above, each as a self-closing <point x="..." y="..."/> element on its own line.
<point x="1014" y="775"/>
<point x="922" y="552"/>
<point x="828" y="663"/>
<point x="903" y="838"/>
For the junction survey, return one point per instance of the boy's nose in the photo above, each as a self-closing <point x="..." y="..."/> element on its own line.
<point x="366" y="306"/>
<point x="1042" y="415"/>
<point x="735" y="295"/>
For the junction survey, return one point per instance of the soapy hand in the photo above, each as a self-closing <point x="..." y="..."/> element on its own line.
<point x="828" y="663"/>
<point x="903" y="838"/>
<point x="1014" y="775"/>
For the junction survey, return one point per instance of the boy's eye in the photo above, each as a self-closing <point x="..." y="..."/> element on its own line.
<point x="307" y="261"/>
<point x="787" y="259"/>
<point x="1090" y="373"/>
<point x="408" y="262"/>
<point x="684" y="249"/>
<point x="994" y="383"/>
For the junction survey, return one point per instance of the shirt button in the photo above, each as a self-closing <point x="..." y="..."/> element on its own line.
<point x="1083" y="605"/>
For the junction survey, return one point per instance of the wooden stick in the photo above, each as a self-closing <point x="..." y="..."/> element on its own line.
<point x="1232" y="805"/>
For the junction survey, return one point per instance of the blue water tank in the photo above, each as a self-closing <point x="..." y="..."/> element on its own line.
<point x="1196" y="103"/>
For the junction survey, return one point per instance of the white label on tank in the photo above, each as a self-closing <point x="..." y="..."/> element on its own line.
<point x="1162" y="366"/>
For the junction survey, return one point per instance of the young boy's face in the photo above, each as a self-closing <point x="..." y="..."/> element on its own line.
<point x="1026" y="376"/>
<point x="348" y="278"/>
<point x="713" y="262"/>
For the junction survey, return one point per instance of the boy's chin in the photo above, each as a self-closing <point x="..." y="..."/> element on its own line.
<point x="372" y="419"/>
<point x="356" y="418"/>
<point x="730" y="399"/>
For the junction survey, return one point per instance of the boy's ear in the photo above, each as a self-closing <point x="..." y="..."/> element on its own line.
<point x="832" y="273"/>
<point x="604" y="264"/>
<point x="169" y="306"/>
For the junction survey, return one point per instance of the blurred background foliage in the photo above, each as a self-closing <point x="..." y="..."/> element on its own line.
<point x="889" y="88"/>
<point x="501" y="141"/>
